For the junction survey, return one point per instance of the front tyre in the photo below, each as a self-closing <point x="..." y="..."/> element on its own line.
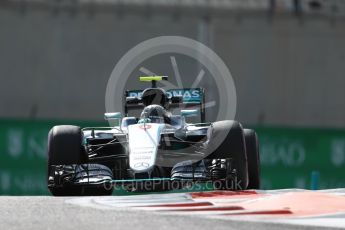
<point x="226" y="141"/>
<point x="65" y="145"/>
<point x="65" y="148"/>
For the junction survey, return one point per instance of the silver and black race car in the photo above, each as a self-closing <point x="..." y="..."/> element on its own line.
<point x="155" y="151"/>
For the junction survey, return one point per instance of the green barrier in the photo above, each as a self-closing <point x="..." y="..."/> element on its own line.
<point x="289" y="156"/>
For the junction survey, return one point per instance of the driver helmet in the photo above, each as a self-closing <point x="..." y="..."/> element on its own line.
<point x="155" y="114"/>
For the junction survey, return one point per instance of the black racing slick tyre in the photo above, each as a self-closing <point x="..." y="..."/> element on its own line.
<point x="226" y="141"/>
<point x="253" y="157"/>
<point x="65" y="148"/>
<point x="65" y="145"/>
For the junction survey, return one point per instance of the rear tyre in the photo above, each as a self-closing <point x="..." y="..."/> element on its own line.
<point x="226" y="140"/>
<point x="253" y="157"/>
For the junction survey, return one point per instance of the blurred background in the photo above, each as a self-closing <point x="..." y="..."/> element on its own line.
<point x="287" y="59"/>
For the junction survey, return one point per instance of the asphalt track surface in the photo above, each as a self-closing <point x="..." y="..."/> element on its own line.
<point x="45" y="212"/>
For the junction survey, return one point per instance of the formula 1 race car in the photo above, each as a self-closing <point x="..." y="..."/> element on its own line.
<point x="157" y="151"/>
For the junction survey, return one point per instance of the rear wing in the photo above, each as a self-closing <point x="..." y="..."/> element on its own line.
<point x="191" y="98"/>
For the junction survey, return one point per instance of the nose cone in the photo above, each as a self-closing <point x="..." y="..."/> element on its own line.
<point x="143" y="146"/>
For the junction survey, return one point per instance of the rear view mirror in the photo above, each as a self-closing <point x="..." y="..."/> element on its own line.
<point x="132" y="100"/>
<point x="110" y="116"/>
<point x="189" y="112"/>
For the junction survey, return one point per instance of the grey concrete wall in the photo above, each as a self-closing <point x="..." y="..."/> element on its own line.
<point x="286" y="71"/>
